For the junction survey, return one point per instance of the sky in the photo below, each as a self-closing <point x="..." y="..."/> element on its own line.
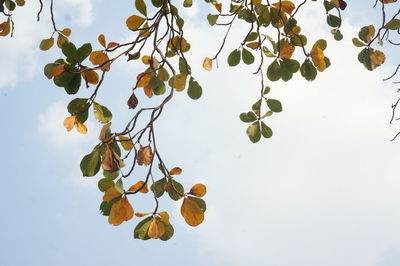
<point x="322" y="191"/>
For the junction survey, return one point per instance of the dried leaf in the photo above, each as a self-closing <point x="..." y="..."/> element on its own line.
<point x="110" y="194"/>
<point x="148" y="92"/>
<point x="138" y="185"/>
<point x="66" y="31"/>
<point x="99" y="58"/>
<point x="175" y="171"/>
<point x="5" y="28"/>
<point x="253" y="45"/>
<point x="164" y="217"/>
<point x="144" y="79"/>
<point x="377" y="57"/>
<point x="120" y="211"/>
<point x="133" y="101"/>
<point x="207" y="64"/>
<point x="198" y="190"/>
<point x="286" y="50"/>
<point x="141" y="214"/>
<point x="91" y="76"/>
<point x="134" y="22"/>
<point x="109" y="163"/>
<point x="156" y="228"/>
<point x="103" y="131"/>
<point x="145" y="155"/>
<point x="46" y="44"/>
<point x="112" y="45"/>
<point x="192" y="213"/>
<point x="218" y="6"/>
<point x="102" y="40"/>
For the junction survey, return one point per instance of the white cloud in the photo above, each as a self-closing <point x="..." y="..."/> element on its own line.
<point x="85" y="16"/>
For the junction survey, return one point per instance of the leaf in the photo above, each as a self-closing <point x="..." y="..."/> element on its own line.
<point x="69" y="122"/>
<point x="120" y="211"/>
<point x="274" y="71"/>
<point x="144" y="155"/>
<point x="105" y="183"/>
<point x="46" y="44"/>
<point x="265" y="130"/>
<point x="80" y="127"/>
<point x="179" y="82"/>
<point x="5" y="27"/>
<point x="357" y="42"/>
<point x="156" y="228"/>
<point x="274" y="105"/>
<point x="83" y="52"/>
<point x="393" y="24"/>
<point x="298" y="40"/>
<point x="70" y="51"/>
<point x="212" y="19"/>
<point x="110" y="194"/>
<point x="90" y="163"/>
<point x="103" y="131"/>
<point x="207" y="64"/>
<point x="322" y="44"/>
<point x="247" y="57"/>
<point x="253" y="132"/>
<point x="133" y="100"/>
<point x="198" y="190"/>
<point x="91" y="76"/>
<point x="134" y="22"/>
<point x="248" y="117"/>
<point x="285" y="6"/>
<point x="187" y="3"/>
<point x="100" y="58"/>
<point x="57" y="70"/>
<point x="109" y="162"/>
<point x="333" y="21"/>
<point x="377" y="57"/>
<point x="234" y="58"/>
<point x="308" y="70"/>
<point x="61" y="39"/>
<point x="174" y="189"/>
<point x="169" y="232"/>
<point x="66" y="31"/>
<point x="191" y="212"/>
<point x="175" y="171"/>
<point x="126" y="143"/>
<point x="194" y="91"/>
<point x="141" y="7"/>
<point x="158" y="187"/>
<point x="286" y="50"/>
<point x="253" y="45"/>
<point x="142" y="214"/>
<point x="141" y="229"/>
<point x="157" y="86"/>
<point x="164" y="217"/>
<point x="102" y="114"/>
<point x="163" y="74"/>
<point x="200" y="202"/>
<point x="139" y="185"/>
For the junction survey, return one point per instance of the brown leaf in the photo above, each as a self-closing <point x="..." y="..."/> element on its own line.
<point x="5" y="28"/>
<point x="99" y="58"/>
<point x="120" y="211"/>
<point x="144" y="79"/>
<point x="138" y="185"/>
<point x="145" y="155"/>
<point x="133" y="101"/>
<point x="110" y="194"/>
<point x="141" y="214"/>
<point x="112" y="45"/>
<point x="192" y="213"/>
<point x="175" y="171"/>
<point x="198" y="190"/>
<point x="148" y="92"/>
<point x="218" y="6"/>
<point x="109" y="163"/>
<point x="102" y="40"/>
<point x="57" y="70"/>
<point x="103" y="131"/>
<point x="156" y="228"/>
<point x="377" y="57"/>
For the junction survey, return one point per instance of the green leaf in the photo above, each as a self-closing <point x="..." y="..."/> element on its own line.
<point x="365" y="59"/>
<point x="363" y="34"/>
<point x="265" y="130"/>
<point x="48" y="68"/>
<point x="328" y="5"/>
<point x="308" y="71"/>
<point x="320" y="44"/>
<point x="70" y="82"/>
<point x="266" y="90"/>
<point x="254" y="132"/>
<point x="267" y="52"/>
<point x="158" y="187"/>
<point x="290" y="64"/>
<point x="141" y="7"/>
<point x="252" y="37"/>
<point x="70" y="51"/>
<point x="102" y="114"/>
<point x="200" y="202"/>
<point x="212" y="19"/>
<point x="187" y="3"/>
<point x="78" y="105"/>
<point x="157" y="3"/>
<point x="169" y="232"/>
<point x="274" y="71"/>
<point x="157" y="86"/>
<point x="172" y="193"/>
<point x="184" y="68"/>
<point x="141" y="229"/>
<point x="115" y="147"/>
<point x="119" y="186"/>
<point x="234" y="58"/>
<point x="274" y="105"/>
<point x="256" y="107"/>
<point x="84" y="51"/>
<point x="111" y="175"/>
<point x="394" y="24"/>
<point x="163" y="74"/>
<point x="90" y="163"/>
<point x="357" y="42"/>
<point x="194" y="91"/>
<point x="248" y="117"/>
<point x="333" y="21"/>
<point x="338" y="35"/>
<point x="105" y="183"/>
<point x="298" y="40"/>
<point x="247" y="57"/>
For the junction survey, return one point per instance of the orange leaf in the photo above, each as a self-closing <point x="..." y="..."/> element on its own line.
<point x="144" y="156"/>
<point x="377" y="57"/>
<point x="120" y="211"/>
<point x="148" y="92"/>
<point x="286" y="50"/>
<point x="175" y="171"/>
<point x="134" y="22"/>
<point x="156" y="228"/>
<point x="102" y="40"/>
<point x="164" y="217"/>
<point x="294" y="31"/>
<point x="144" y="79"/>
<point x="138" y="185"/>
<point x="99" y="58"/>
<point x="57" y="70"/>
<point x="69" y="122"/>
<point x="336" y="3"/>
<point x="198" y="190"/>
<point x="110" y="194"/>
<point x="371" y="32"/>
<point x="146" y="59"/>
<point x="286" y="6"/>
<point x="141" y="214"/>
<point x="253" y="45"/>
<point x="218" y="6"/>
<point x="192" y="213"/>
<point x="388" y="1"/>
<point x="80" y="127"/>
<point x="91" y="76"/>
<point x="112" y="45"/>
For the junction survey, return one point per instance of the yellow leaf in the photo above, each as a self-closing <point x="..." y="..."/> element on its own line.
<point x="61" y="40"/>
<point x="286" y="6"/>
<point x="180" y="82"/>
<point x="103" y="131"/>
<point x="126" y="143"/>
<point x="164" y="217"/>
<point x="102" y="40"/>
<point x="145" y="155"/>
<point x="99" y="58"/>
<point x="156" y="228"/>
<point x="5" y="28"/>
<point x="66" y="32"/>
<point x="207" y="64"/>
<point x="110" y="194"/>
<point x="253" y="45"/>
<point x="177" y="43"/>
<point x="141" y="214"/>
<point x="336" y="3"/>
<point x="377" y="57"/>
<point x="175" y="171"/>
<point x="109" y="163"/>
<point x="148" y="92"/>
<point x="80" y="127"/>
<point x="192" y="213"/>
<point x="46" y="44"/>
<point x="120" y="211"/>
<point x="146" y="59"/>
<point x="198" y="190"/>
<point x="138" y="185"/>
<point x="91" y="76"/>
<point x="69" y="122"/>
<point x="286" y="50"/>
<point x="134" y="22"/>
<point x="57" y="70"/>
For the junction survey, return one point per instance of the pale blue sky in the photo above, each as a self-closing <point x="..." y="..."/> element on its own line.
<point x="323" y="191"/>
